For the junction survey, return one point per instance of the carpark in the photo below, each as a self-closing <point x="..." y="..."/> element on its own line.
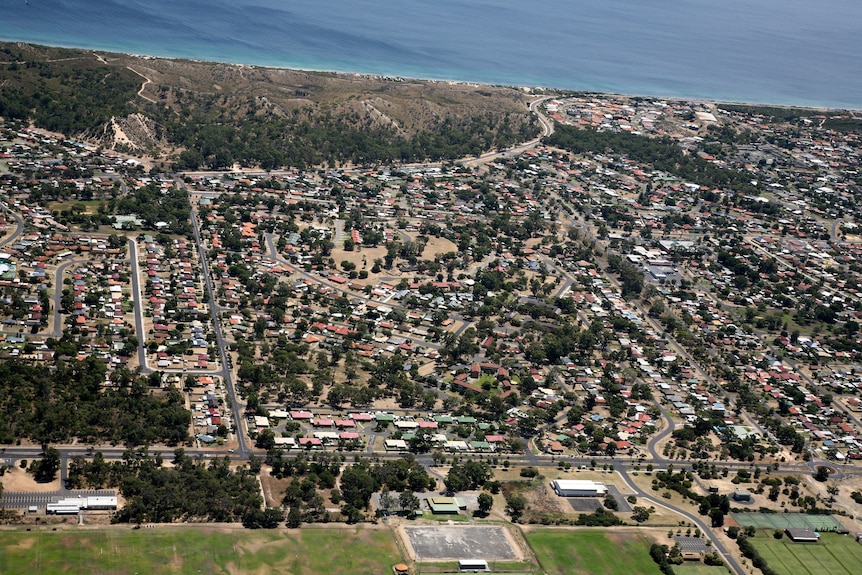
<point x="692" y="544"/>
<point x="584" y="505"/>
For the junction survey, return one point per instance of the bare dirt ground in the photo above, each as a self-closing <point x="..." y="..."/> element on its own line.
<point x="363" y="257"/>
<point x="437" y="246"/>
<point x="273" y="488"/>
<point x="843" y="501"/>
<point x="541" y="500"/>
<point x="17" y="480"/>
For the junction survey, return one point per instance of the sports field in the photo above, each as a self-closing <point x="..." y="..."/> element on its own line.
<point x="192" y="550"/>
<point x="592" y="552"/>
<point x="833" y="555"/>
<point x="786" y="520"/>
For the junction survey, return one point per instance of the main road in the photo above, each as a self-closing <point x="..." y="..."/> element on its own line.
<point x="137" y="298"/>
<point x="617" y="465"/>
<point x="235" y="407"/>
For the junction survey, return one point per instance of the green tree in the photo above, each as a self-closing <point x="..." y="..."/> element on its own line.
<point x="640" y="514"/>
<point x="357" y="485"/>
<point x="268" y="518"/>
<point x="294" y="518"/>
<point x="408" y="501"/>
<point x="486" y="502"/>
<point x="822" y="473"/>
<point x="45" y="470"/>
<point x="265" y="439"/>
<point x="515" y="505"/>
<point x="387" y="501"/>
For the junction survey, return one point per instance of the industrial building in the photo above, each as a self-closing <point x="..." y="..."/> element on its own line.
<point x="578" y="488"/>
<point x="73" y="505"/>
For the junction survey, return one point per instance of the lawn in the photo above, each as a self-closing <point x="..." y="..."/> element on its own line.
<point x="592" y="552"/>
<point x="84" y="206"/>
<point x="834" y="554"/>
<point x="694" y="568"/>
<point x="192" y="550"/>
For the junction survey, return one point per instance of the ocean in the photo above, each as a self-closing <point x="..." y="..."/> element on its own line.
<point x="793" y="52"/>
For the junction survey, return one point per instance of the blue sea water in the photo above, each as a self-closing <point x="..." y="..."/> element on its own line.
<point x="797" y="52"/>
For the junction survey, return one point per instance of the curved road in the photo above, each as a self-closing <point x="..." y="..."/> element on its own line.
<point x="244" y="450"/>
<point x="57" y="330"/>
<point x="19" y="223"/>
<point x="547" y="130"/>
<point x="697" y="520"/>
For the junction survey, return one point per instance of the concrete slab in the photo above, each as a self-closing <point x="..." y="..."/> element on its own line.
<point x="449" y="542"/>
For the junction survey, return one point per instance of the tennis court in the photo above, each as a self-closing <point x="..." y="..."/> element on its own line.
<point x="818" y="523"/>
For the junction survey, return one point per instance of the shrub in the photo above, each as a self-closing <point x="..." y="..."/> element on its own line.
<point x="529" y="472"/>
<point x="659" y="555"/>
<point x="713" y="559"/>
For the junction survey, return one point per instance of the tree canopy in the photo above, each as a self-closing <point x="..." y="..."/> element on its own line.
<point x="55" y="405"/>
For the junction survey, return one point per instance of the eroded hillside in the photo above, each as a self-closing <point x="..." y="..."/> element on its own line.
<point x="196" y="114"/>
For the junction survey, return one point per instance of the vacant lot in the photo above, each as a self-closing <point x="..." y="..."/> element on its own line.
<point x="834" y="554"/>
<point x="192" y="550"/>
<point x="592" y="552"/>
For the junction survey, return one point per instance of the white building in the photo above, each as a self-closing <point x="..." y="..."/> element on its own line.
<point x="578" y="488"/>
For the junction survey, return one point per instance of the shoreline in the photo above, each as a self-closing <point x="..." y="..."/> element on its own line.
<point x="533" y="90"/>
<point x="402" y="77"/>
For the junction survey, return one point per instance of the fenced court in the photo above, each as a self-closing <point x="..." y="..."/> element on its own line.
<point x="819" y="523"/>
<point x="453" y="542"/>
